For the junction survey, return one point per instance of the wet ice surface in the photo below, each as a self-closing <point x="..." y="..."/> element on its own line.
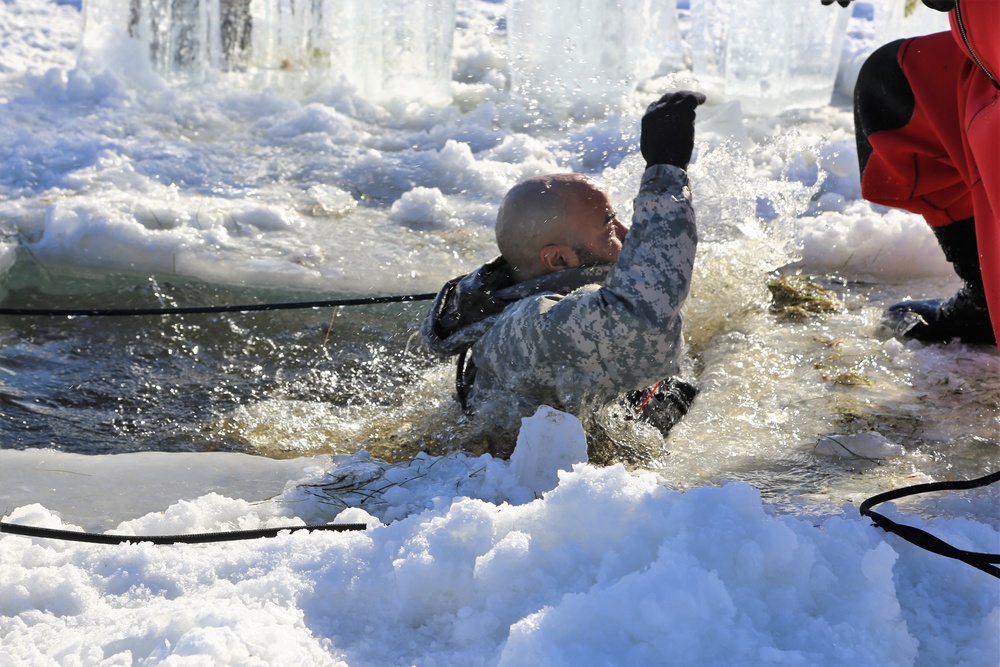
<point x="120" y="189"/>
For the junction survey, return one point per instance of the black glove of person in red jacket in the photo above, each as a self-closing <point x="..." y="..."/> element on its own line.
<point x="667" y="135"/>
<point x="940" y="5"/>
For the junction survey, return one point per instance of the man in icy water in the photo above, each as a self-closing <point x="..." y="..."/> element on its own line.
<point x="580" y="312"/>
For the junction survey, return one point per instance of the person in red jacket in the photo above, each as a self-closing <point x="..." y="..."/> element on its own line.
<point x="927" y="121"/>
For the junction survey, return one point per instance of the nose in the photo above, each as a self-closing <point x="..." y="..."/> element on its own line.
<point x="620" y="230"/>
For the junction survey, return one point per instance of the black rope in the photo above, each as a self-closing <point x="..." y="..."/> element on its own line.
<point x="187" y="310"/>
<point x="193" y="538"/>
<point x="921" y="538"/>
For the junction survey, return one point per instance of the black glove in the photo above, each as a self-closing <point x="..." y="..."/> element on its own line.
<point x="940" y="5"/>
<point x="668" y="129"/>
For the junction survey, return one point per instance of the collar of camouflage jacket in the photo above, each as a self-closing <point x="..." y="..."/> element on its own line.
<point x="467" y="306"/>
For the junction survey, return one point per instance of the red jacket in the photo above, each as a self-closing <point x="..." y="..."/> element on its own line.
<point x="945" y="162"/>
<point x="975" y="25"/>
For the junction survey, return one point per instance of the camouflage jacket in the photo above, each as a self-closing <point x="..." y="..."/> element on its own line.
<point x="571" y="339"/>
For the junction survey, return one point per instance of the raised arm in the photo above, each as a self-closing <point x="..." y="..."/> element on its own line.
<point x="626" y="333"/>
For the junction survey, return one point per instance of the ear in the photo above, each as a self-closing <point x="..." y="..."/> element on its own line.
<point x="556" y="257"/>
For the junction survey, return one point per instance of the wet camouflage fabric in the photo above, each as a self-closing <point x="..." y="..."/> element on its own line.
<point x="600" y="340"/>
<point x="468" y="306"/>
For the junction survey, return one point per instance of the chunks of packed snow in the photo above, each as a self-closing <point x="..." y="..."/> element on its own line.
<point x="549" y="441"/>
<point x="865" y="445"/>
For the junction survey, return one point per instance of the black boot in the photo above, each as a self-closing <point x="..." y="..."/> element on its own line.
<point x="965" y="315"/>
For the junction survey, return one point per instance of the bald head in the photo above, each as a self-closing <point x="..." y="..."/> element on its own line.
<point x="545" y="215"/>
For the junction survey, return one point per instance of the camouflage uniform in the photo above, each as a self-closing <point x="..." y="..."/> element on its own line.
<point x="595" y="343"/>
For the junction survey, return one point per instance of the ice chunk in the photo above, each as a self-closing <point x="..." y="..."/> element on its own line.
<point x="549" y="441"/>
<point x="890" y="21"/>
<point x="662" y="50"/>
<point x="385" y="48"/>
<point x="417" y="42"/>
<point x="576" y="53"/>
<point x="870" y="445"/>
<point x="185" y="37"/>
<point x="771" y="55"/>
<point x="290" y="35"/>
<point x="391" y="48"/>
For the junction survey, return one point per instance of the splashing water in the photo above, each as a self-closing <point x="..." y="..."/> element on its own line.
<point x="127" y="188"/>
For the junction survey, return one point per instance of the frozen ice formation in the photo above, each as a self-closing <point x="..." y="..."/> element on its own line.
<point x="771" y="55"/>
<point x="385" y="48"/>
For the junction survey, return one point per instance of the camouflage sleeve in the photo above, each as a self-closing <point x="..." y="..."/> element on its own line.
<point x="625" y="334"/>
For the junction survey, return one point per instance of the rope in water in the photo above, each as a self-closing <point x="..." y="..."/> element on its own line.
<point x="187" y="310"/>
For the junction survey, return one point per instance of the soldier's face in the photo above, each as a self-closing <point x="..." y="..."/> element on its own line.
<point x="598" y="232"/>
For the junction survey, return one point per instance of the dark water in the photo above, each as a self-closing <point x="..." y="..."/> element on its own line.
<point x="121" y="384"/>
